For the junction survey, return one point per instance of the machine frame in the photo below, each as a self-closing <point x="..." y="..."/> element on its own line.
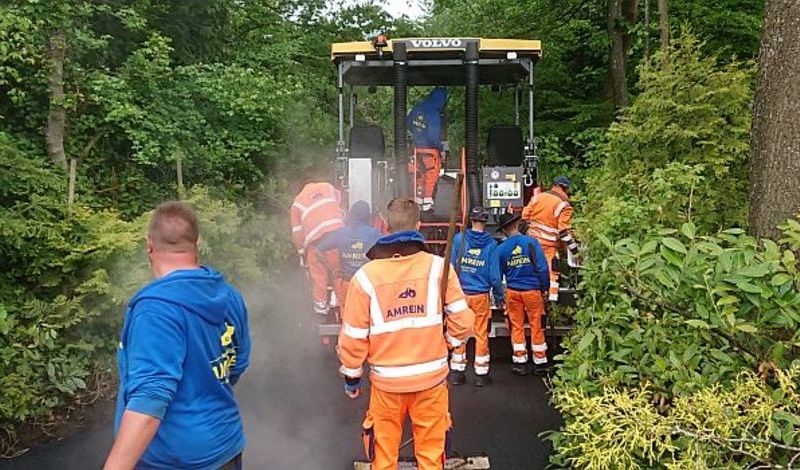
<point x="467" y="62"/>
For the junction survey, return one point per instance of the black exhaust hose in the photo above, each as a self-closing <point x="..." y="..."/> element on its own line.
<point x="475" y="195"/>
<point x="400" y="97"/>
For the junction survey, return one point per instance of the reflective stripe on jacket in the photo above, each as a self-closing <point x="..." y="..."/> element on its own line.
<point x="550" y="217"/>
<point x="393" y="320"/>
<point x="315" y="212"/>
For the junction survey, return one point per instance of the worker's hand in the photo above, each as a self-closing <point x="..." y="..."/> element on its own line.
<point x="505" y="319"/>
<point x="302" y="255"/>
<point x="352" y="387"/>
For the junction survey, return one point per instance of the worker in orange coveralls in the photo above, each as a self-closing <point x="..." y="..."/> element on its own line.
<point x="549" y="215"/>
<point x="393" y="320"/>
<point x="315" y="213"/>
<point x="426" y="124"/>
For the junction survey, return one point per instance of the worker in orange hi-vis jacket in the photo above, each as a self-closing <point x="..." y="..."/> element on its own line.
<point x="549" y="215"/>
<point x="393" y="319"/>
<point x="315" y="213"/>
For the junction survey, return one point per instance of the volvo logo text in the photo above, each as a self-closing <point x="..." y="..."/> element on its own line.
<point x="433" y="43"/>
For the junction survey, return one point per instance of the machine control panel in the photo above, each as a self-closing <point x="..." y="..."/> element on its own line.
<point x="502" y="186"/>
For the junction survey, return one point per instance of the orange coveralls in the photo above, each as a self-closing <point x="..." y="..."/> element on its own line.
<point x="315" y="212"/>
<point x="393" y="320"/>
<point x="425" y="166"/>
<point x="550" y="217"/>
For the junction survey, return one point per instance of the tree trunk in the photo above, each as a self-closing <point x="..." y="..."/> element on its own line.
<point x="615" y="32"/>
<point x="775" y="141"/>
<point x="57" y="116"/>
<point x="663" y="25"/>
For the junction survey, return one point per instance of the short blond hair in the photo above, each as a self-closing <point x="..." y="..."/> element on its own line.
<point x="174" y="228"/>
<point x="402" y="214"/>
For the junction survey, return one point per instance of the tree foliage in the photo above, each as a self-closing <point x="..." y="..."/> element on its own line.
<point x="678" y="153"/>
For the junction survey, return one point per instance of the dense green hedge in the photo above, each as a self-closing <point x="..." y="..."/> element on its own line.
<point x="67" y="274"/>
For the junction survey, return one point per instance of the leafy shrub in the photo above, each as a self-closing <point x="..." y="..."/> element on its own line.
<point x="747" y="423"/>
<point x="678" y="153"/>
<point x="67" y="274"/>
<point x="50" y="285"/>
<point x="678" y="314"/>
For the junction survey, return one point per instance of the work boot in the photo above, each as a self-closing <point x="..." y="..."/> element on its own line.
<point x="519" y="369"/>
<point x="458" y="377"/>
<point x="321" y="308"/>
<point x="482" y="380"/>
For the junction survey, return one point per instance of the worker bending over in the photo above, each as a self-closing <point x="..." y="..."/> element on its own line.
<point x="479" y="272"/>
<point x="315" y="213"/>
<point x="524" y="266"/>
<point x="352" y="243"/>
<point x="425" y="123"/>
<point x="393" y="319"/>
<point x="549" y="215"/>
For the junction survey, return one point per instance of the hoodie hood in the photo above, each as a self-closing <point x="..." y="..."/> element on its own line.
<point x="359" y="213"/>
<point x="400" y="243"/>
<point x="201" y="291"/>
<point x="479" y="239"/>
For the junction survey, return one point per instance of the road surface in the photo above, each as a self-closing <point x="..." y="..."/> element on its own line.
<point x="298" y="418"/>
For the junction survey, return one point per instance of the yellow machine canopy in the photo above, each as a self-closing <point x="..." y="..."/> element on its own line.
<point x="436" y="61"/>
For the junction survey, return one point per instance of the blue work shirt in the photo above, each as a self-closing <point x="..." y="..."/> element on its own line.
<point x="524" y="269"/>
<point x="479" y="269"/>
<point x="353" y="242"/>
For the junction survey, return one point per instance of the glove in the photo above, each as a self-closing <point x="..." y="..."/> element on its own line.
<point x="352" y="387"/>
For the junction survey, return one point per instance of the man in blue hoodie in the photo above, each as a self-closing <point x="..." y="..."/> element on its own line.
<point x="425" y="123"/>
<point x="479" y="272"/>
<point x="524" y="266"/>
<point x="183" y="346"/>
<point x="353" y="242"/>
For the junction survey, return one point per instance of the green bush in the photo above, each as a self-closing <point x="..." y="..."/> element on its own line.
<point x="678" y="153"/>
<point x="748" y="423"/>
<point x="68" y="273"/>
<point x="678" y="314"/>
<point x="51" y="286"/>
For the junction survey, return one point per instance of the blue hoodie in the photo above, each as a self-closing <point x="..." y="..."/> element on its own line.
<point x="479" y="269"/>
<point x="185" y="342"/>
<point x="514" y="255"/>
<point x="353" y="240"/>
<point x="425" y="119"/>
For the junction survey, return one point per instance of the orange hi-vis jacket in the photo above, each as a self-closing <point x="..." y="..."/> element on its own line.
<point x="315" y="212"/>
<point x="393" y="320"/>
<point x="550" y="217"/>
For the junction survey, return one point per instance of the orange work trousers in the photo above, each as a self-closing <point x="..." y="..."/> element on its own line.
<point x="426" y="166"/>
<point x="321" y="268"/>
<point x="517" y="304"/>
<point x="430" y="422"/>
<point x="478" y="303"/>
<point x="554" y="265"/>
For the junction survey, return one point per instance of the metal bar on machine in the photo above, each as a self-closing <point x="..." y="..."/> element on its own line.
<point x="400" y="59"/>
<point x="531" y="136"/>
<point x="516" y="105"/>
<point x="341" y="104"/>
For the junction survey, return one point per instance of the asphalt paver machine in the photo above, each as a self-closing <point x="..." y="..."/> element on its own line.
<point x="502" y="178"/>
